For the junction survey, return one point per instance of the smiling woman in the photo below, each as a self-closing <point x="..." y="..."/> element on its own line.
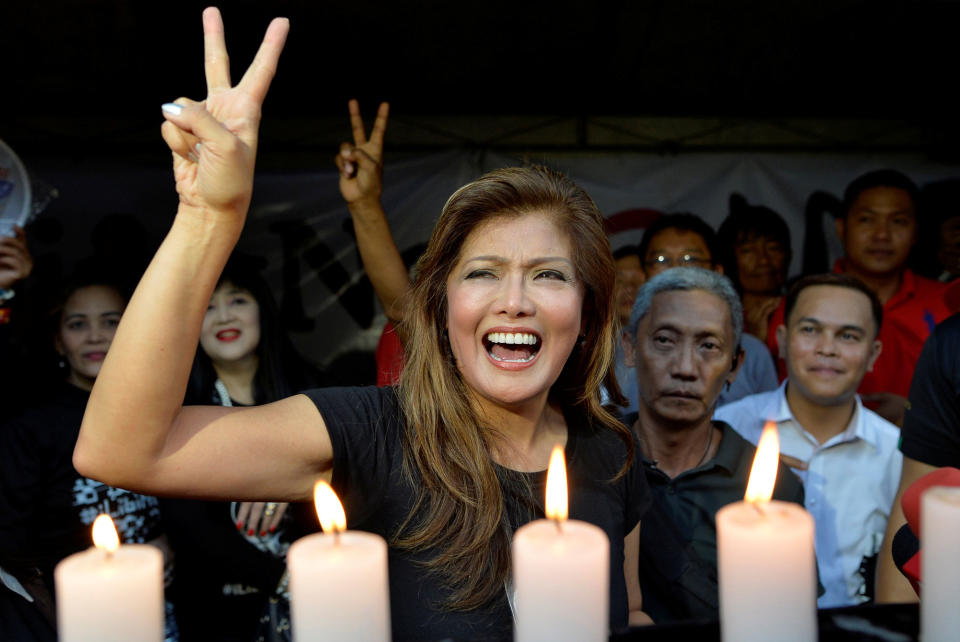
<point x="447" y="465"/>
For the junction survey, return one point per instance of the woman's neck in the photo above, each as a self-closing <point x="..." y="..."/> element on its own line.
<point x="238" y="376"/>
<point x="524" y="434"/>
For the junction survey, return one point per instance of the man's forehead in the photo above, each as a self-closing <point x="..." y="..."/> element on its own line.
<point x="833" y="304"/>
<point x="689" y="311"/>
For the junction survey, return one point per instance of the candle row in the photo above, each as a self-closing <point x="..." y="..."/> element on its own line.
<point x="766" y="567"/>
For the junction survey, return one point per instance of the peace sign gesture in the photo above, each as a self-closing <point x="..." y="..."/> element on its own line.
<point x="214" y="142"/>
<point x="361" y="164"/>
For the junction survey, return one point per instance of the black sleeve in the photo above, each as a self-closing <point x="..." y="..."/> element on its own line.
<point x="20" y="486"/>
<point x="931" y="425"/>
<point x="364" y="426"/>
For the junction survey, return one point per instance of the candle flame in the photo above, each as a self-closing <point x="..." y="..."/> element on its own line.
<point x="556" y="507"/>
<point x="105" y="534"/>
<point x="763" y="474"/>
<point x="329" y="509"/>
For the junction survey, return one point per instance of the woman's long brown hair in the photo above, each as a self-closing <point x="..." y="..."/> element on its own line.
<point x="459" y="517"/>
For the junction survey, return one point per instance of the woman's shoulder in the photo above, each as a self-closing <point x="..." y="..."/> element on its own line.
<point x="351" y="405"/>
<point x="335" y="395"/>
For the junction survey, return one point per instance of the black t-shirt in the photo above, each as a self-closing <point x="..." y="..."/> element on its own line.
<point x="47" y="508"/>
<point x="931" y="424"/>
<point x="365" y="427"/>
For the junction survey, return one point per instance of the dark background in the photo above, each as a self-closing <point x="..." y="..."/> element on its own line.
<point x="86" y="78"/>
<point x="856" y="84"/>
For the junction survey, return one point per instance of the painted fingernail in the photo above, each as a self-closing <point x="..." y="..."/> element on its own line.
<point x="251" y="532"/>
<point x="172" y="108"/>
<point x="263" y="533"/>
<point x="193" y="157"/>
<point x="198" y="148"/>
<point x="239" y="526"/>
<point x="273" y="528"/>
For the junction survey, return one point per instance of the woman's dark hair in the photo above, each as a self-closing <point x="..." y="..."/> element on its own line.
<point x="746" y="222"/>
<point x="281" y="371"/>
<point x="87" y="274"/>
<point x="48" y="311"/>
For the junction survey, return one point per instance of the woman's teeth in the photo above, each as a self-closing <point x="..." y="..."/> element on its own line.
<point x="513" y="347"/>
<point x="512" y="338"/>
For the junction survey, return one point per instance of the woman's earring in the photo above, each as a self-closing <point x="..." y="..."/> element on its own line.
<point x="62" y="364"/>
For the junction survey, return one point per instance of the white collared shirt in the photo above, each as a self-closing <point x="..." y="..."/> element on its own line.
<point x="849" y="485"/>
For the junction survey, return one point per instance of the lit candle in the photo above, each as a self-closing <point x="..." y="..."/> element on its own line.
<point x="110" y="593"/>
<point x="940" y="561"/>
<point x="561" y="571"/>
<point x="338" y="579"/>
<point x="765" y="559"/>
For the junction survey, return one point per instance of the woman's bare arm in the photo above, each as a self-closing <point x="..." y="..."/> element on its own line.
<point x="135" y="434"/>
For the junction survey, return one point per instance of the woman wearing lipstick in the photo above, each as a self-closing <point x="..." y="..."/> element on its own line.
<point x="47" y="508"/>
<point x="231" y="554"/>
<point x="511" y="336"/>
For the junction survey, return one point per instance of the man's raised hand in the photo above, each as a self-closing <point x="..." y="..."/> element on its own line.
<point x="361" y="163"/>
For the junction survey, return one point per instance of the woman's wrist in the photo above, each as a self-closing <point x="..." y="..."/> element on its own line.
<point x="205" y="225"/>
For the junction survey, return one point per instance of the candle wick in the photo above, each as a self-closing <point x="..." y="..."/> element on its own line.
<point x="336" y="537"/>
<point x="559" y="523"/>
<point x="759" y="508"/>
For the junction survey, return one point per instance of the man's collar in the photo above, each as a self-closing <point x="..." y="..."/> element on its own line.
<point x="729" y="453"/>
<point x="908" y="281"/>
<point x="857" y="428"/>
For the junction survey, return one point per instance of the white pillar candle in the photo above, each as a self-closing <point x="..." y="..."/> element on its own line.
<point x="338" y="582"/>
<point x="765" y="560"/>
<point x="940" y="564"/>
<point x="561" y="572"/>
<point x="105" y="596"/>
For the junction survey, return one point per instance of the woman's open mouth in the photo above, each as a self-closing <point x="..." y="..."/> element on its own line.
<point x="229" y="334"/>
<point x="512" y="347"/>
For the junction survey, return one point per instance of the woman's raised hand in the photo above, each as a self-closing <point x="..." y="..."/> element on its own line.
<point x="214" y="142"/>
<point x="361" y="164"/>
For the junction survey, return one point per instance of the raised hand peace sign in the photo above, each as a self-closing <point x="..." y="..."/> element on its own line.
<point x="214" y="142"/>
<point x="361" y="164"/>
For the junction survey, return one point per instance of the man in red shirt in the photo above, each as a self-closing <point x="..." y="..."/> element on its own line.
<point x="878" y="230"/>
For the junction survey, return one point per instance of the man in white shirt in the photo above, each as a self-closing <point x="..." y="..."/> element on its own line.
<point x="845" y="454"/>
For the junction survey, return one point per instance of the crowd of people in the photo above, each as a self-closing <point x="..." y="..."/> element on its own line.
<point x="185" y="412"/>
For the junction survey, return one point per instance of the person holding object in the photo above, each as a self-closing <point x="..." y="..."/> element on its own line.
<point x="47" y="507"/>
<point x="16" y="264"/>
<point x="511" y="328"/>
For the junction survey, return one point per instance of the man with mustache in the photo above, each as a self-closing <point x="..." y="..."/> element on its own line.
<point x="684" y="340"/>
<point x="845" y="454"/>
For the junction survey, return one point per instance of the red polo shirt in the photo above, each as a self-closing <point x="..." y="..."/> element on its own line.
<point x="908" y="318"/>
